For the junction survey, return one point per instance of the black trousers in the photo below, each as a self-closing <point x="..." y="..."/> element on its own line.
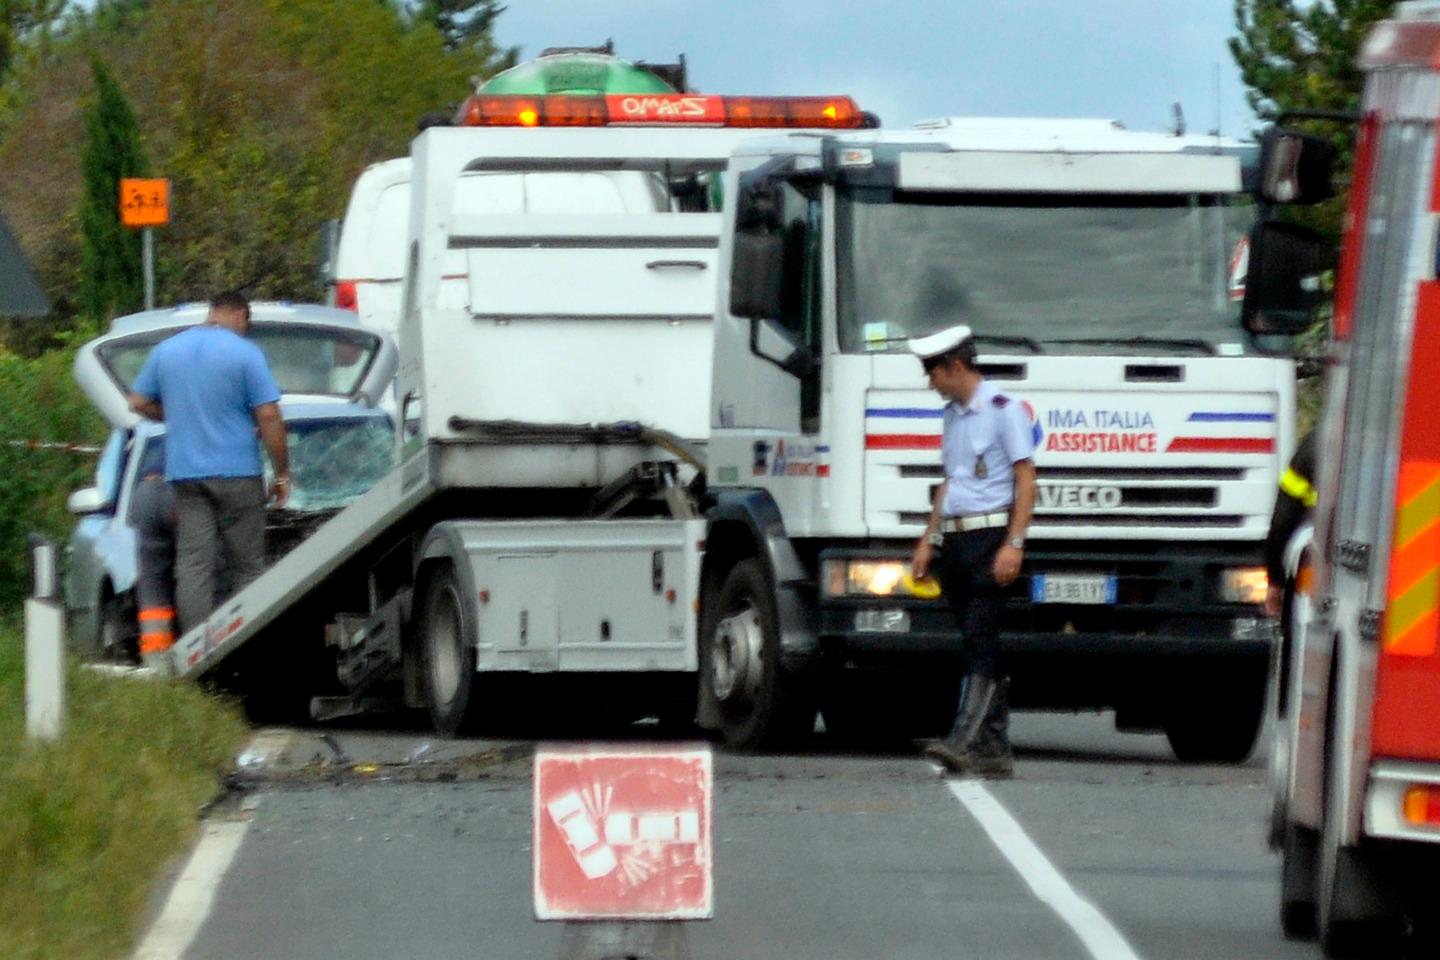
<point x="966" y="571"/>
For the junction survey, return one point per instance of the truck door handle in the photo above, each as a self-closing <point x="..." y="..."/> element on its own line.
<point x="688" y="264"/>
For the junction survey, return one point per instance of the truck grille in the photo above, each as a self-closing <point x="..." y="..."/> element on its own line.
<point x="1112" y="498"/>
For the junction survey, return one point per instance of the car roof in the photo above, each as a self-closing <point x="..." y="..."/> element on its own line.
<point x="260" y="312"/>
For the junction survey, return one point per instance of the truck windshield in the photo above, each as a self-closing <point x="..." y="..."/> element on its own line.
<point x="303" y="359"/>
<point x="1098" y="270"/>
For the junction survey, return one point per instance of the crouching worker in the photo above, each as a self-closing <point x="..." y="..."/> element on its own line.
<point x="975" y="540"/>
<point x="152" y="508"/>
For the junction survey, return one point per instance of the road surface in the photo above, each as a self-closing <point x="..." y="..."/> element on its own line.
<point x="385" y="845"/>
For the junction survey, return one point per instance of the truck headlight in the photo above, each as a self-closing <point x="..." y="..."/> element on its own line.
<point x="1244" y="585"/>
<point x="864" y="578"/>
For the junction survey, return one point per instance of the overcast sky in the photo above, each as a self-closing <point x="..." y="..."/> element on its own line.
<point x="1127" y="60"/>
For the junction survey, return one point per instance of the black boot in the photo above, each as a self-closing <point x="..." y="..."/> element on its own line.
<point x="992" y="753"/>
<point x="957" y="752"/>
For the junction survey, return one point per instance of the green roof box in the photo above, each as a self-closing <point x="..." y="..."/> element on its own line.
<point x="584" y="74"/>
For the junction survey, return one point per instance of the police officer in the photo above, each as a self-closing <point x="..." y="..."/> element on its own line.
<point x="975" y="539"/>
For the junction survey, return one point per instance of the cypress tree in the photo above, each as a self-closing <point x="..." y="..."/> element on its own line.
<point x="112" y="279"/>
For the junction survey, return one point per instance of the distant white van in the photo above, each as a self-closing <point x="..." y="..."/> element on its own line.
<point x="370" y="256"/>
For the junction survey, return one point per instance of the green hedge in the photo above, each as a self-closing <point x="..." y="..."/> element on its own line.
<point x="88" y="823"/>
<point x="39" y="401"/>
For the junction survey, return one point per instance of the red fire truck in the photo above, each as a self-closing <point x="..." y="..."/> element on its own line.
<point x="1357" y="759"/>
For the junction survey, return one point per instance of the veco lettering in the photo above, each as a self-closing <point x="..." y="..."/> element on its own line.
<point x="1094" y="498"/>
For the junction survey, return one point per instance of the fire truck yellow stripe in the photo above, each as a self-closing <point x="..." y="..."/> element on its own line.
<point x="1414" y="590"/>
<point x="1418" y="512"/>
<point x="1410" y="606"/>
<point x="1417" y="641"/>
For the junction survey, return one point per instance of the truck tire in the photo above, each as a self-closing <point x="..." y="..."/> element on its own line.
<point x="1353" y="921"/>
<point x="1218" y="721"/>
<point x="760" y="705"/>
<point x="1297" y="882"/>
<point x="447" y="654"/>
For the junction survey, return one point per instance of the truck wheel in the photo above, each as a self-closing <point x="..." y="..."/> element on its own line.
<point x="1219" y="721"/>
<point x="447" y="651"/>
<point x="740" y="661"/>
<point x="1354" y="918"/>
<point x="1297" y="882"/>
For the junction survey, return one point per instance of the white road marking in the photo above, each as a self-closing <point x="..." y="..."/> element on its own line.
<point x="191" y="897"/>
<point x="1098" y="935"/>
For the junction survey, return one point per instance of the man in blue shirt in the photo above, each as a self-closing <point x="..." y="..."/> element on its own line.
<point x="977" y="523"/>
<point x="213" y="389"/>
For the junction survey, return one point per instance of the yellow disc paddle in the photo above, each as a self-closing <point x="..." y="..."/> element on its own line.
<point x="926" y="588"/>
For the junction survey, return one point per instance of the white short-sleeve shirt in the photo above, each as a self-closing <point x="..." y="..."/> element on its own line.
<point x="993" y="429"/>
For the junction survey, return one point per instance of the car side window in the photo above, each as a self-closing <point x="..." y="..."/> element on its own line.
<point x="152" y="461"/>
<point x="111" y="466"/>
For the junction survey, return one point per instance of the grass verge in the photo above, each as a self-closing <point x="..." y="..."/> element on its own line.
<point x="88" y="823"/>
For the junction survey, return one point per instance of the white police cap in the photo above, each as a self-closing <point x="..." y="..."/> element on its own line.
<point x="938" y="343"/>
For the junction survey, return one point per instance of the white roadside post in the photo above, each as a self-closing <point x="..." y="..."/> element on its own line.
<point x="44" y="644"/>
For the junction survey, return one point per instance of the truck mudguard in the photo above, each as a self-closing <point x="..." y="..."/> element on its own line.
<point x="757" y="513"/>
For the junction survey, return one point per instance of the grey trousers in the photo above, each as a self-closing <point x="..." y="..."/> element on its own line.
<point x="152" y="511"/>
<point x="221" y="513"/>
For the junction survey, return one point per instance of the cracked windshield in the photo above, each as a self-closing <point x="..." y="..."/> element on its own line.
<point x="748" y="481"/>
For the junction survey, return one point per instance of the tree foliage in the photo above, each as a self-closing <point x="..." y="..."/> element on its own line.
<point x="111" y="277"/>
<point x="261" y="113"/>
<point x="468" y="24"/>
<point x="20" y="22"/>
<point x="1302" y="56"/>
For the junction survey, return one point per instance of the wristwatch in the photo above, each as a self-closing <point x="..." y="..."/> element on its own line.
<point x="936" y="539"/>
<point x="1017" y="542"/>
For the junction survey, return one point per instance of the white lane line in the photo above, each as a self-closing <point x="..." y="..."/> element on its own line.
<point x="190" y="899"/>
<point x="1097" y="933"/>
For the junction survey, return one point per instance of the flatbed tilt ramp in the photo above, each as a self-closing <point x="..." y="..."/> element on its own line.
<point x="362" y="524"/>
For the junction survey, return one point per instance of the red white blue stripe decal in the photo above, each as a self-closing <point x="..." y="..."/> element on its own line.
<point x="1205" y="431"/>
<point x="1208" y="444"/>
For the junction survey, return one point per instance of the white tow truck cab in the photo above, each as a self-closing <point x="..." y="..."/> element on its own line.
<point x="1101" y="270"/>
<point x="1356" y="815"/>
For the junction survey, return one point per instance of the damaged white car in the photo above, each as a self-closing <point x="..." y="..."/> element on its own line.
<point x="334" y="376"/>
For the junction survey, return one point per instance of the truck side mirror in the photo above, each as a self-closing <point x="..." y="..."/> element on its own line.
<point x="1295" y="167"/>
<point x="756" y="265"/>
<point x="1283" y="288"/>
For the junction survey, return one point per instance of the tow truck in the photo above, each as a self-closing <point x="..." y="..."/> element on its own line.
<point x="546" y="515"/>
<point x="683" y="447"/>
<point x="1356" y="815"/>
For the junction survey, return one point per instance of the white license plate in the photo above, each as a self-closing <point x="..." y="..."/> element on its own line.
<point x="1072" y="588"/>
<point x="882" y="621"/>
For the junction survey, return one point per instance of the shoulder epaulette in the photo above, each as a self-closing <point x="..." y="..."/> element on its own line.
<point x="1000" y="400"/>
